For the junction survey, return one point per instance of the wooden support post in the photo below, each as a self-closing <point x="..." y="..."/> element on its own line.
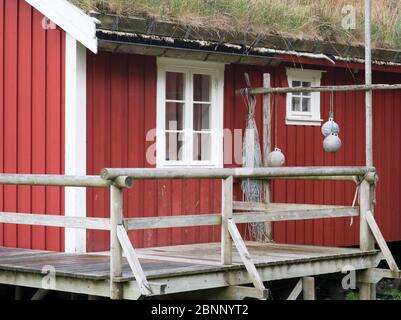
<point x="116" y="219"/>
<point x="308" y="288"/>
<point x="227" y="214"/>
<point x="267" y="117"/>
<point x="366" y="236"/>
<point x="367" y="291"/>
<point x="18" y="294"/>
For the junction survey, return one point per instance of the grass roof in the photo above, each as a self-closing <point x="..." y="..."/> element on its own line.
<point x="319" y="19"/>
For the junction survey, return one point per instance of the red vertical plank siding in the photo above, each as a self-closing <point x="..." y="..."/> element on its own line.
<point x="10" y="114"/>
<point x="122" y="100"/>
<point x="31" y="135"/>
<point x="2" y="80"/>
<point x="24" y="115"/>
<point x="53" y="132"/>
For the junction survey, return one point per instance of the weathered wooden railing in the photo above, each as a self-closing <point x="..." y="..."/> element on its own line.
<point x="119" y="179"/>
<point x="365" y="178"/>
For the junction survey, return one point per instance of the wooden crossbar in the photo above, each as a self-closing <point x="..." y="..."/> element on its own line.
<point x="48" y="220"/>
<point x="244" y="217"/>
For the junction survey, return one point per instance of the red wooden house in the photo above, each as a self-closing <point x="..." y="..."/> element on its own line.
<point x="80" y="92"/>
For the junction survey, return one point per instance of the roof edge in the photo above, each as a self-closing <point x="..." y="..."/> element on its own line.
<point x="71" y="19"/>
<point x="163" y="28"/>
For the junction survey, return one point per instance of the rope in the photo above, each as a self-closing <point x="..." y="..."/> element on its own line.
<point x="275" y="121"/>
<point x="331" y="115"/>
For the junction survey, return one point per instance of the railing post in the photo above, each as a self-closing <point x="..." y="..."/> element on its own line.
<point x="227" y="213"/>
<point x="116" y="218"/>
<point x="367" y="291"/>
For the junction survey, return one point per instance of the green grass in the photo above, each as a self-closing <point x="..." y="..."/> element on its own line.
<point x="393" y="294"/>
<point x="352" y="296"/>
<point x="306" y="18"/>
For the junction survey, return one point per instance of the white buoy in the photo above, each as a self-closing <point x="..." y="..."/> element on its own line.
<point x="276" y="158"/>
<point x="330" y="127"/>
<point x="332" y="143"/>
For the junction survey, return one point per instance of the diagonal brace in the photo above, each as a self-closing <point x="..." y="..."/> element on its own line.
<point x="244" y="254"/>
<point x="133" y="261"/>
<point x="381" y="241"/>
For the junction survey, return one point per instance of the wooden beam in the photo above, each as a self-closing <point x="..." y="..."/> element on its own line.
<point x="40" y="294"/>
<point x="308" y="288"/>
<point x="172" y="221"/>
<point x="279" y="207"/>
<point x="282" y="90"/>
<point x="133" y="260"/>
<point x="116" y="218"/>
<point x="280" y="213"/>
<point x="55" y="221"/>
<point x="240" y="173"/>
<point x="366" y="236"/>
<point x="62" y="180"/>
<point x="296" y="291"/>
<point x="366" y="291"/>
<point x="285" y="215"/>
<point x="245" y="256"/>
<point x="227" y="214"/>
<point x="381" y="242"/>
<point x="374" y="275"/>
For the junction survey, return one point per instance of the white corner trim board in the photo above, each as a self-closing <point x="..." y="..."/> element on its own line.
<point x="75" y="139"/>
<point x="71" y="19"/>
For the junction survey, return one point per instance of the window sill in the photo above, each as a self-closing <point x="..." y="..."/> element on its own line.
<point x="303" y="122"/>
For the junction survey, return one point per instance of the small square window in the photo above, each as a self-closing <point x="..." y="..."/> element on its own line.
<point x="303" y="108"/>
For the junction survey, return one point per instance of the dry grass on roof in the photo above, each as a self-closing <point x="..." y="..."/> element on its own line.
<point x="319" y="19"/>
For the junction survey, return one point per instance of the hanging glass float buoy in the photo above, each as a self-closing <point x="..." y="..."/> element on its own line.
<point x="332" y="143"/>
<point x="276" y="158"/>
<point x="330" y="127"/>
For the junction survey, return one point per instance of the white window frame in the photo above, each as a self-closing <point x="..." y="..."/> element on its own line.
<point x="190" y="67"/>
<point x="313" y="118"/>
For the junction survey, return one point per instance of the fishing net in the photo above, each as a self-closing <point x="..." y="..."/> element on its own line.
<point x="252" y="158"/>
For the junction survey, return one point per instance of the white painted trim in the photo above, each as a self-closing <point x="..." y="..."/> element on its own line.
<point x="71" y="19"/>
<point x="216" y="71"/>
<point x="75" y="139"/>
<point x="304" y="119"/>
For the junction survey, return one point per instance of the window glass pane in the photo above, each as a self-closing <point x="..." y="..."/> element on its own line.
<point x="201" y="117"/>
<point x="296" y="83"/>
<point x="306" y="104"/>
<point x="306" y="84"/>
<point x="202" y="146"/>
<point x="175" y="86"/>
<point x="296" y="104"/>
<point x="174" y="116"/>
<point x="174" y="146"/>
<point x="201" y="87"/>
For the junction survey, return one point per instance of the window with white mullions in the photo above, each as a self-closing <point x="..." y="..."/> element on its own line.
<point x="303" y="108"/>
<point x="189" y="114"/>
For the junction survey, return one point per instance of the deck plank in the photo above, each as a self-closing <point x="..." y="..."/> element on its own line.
<point x="166" y="261"/>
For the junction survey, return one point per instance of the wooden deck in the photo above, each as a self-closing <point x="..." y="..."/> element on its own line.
<point x="180" y="268"/>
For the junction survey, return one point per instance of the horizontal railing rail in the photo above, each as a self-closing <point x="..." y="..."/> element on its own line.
<point x="63" y="180"/>
<point x="238" y="173"/>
